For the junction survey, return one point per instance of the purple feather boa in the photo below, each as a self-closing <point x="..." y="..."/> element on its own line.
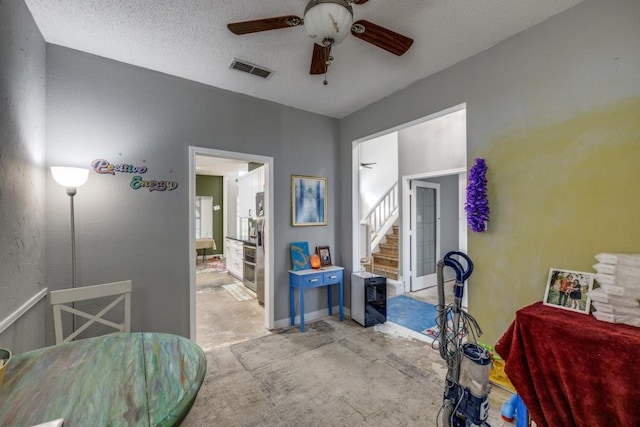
<point x="477" y="205"/>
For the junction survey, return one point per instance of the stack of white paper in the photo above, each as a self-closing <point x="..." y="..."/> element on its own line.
<point x="616" y="301"/>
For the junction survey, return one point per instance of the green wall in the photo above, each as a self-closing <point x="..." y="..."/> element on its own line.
<point x="254" y="165"/>
<point x="213" y="186"/>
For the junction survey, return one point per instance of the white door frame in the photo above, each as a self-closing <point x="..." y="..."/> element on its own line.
<point x="406" y="217"/>
<point x="268" y="222"/>
<point x="356" y="229"/>
<point x="429" y="280"/>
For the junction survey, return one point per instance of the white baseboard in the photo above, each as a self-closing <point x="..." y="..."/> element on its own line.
<point x="310" y="317"/>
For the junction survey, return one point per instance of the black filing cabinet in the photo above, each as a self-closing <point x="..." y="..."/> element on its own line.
<point x="368" y="298"/>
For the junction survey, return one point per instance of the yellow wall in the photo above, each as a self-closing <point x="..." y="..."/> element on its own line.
<point x="558" y="195"/>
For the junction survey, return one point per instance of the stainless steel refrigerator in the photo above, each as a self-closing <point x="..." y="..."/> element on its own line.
<point x="260" y="245"/>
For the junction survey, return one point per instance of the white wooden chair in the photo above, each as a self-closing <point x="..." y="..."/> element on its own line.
<point x="63" y="300"/>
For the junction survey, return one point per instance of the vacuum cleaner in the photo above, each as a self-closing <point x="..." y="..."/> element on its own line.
<point x="466" y="394"/>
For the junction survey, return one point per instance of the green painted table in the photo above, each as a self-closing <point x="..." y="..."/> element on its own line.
<point x="137" y="379"/>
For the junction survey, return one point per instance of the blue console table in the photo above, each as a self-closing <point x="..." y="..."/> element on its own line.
<point x="315" y="278"/>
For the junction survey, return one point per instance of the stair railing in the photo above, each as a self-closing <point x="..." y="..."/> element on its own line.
<point x="380" y="218"/>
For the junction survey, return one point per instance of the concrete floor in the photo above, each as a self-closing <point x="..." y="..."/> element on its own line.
<point x="334" y="374"/>
<point x="221" y="320"/>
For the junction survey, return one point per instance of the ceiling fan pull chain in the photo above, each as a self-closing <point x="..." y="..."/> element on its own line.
<point x="327" y="58"/>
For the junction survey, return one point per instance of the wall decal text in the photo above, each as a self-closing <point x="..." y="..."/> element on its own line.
<point x="137" y="183"/>
<point x="102" y="166"/>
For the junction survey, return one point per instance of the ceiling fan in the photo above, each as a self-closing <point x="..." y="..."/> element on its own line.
<point x="329" y="22"/>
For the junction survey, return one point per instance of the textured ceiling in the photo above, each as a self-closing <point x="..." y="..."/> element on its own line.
<point x="189" y="39"/>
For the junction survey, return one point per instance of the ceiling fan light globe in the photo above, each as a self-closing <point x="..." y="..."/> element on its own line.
<point x="328" y="19"/>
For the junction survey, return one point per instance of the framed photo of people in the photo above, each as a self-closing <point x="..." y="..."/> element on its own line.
<point x="569" y="290"/>
<point x="325" y="255"/>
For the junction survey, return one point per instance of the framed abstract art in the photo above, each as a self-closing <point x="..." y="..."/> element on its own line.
<point x="308" y="200"/>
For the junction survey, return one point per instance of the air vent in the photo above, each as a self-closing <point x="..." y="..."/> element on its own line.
<point x="250" y="68"/>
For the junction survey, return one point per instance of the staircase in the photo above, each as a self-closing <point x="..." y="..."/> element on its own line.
<point x="380" y="234"/>
<point x="385" y="261"/>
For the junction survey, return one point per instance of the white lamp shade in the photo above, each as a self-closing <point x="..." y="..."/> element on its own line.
<point x="70" y="177"/>
<point x="331" y="20"/>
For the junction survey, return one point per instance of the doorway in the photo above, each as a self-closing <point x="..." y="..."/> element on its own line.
<point x="430" y="149"/>
<point x="267" y="320"/>
<point x="450" y="228"/>
<point x="424" y="234"/>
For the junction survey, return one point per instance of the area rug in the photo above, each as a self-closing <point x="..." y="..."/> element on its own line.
<point x="212" y="265"/>
<point x="419" y="316"/>
<point x="238" y="292"/>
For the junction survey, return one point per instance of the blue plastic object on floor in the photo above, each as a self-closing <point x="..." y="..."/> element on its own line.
<point x="411" y="313"/>
<point x="515" y="408"/>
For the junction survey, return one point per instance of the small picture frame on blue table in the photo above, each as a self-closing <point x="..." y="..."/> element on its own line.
<point x="325" y="255"/>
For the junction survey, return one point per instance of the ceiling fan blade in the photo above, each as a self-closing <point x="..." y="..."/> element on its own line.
<point x="361" y="1"/>
<point x="319" y="59"/>
<point x="255" y="26"/>
<point x="382" y="37"/>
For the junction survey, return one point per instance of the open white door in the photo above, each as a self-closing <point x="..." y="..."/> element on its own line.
<point x="425" y="233"/>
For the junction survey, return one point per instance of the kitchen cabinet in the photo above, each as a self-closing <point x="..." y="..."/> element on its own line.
<point x="245" y="207"/>
<point x="248" y="186"/>
<point x="257" y="180"/>
<point x="233" y="254"/>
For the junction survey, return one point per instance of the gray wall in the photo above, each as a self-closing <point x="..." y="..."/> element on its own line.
<point x="580" y="61"/>
<point x="98" y="108"/>
<point x="435" y="145"/>
<point x="22" y="150"/>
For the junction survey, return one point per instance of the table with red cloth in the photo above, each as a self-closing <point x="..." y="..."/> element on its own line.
<point x="571" y="369"/>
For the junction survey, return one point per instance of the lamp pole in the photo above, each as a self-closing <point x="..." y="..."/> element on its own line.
<point x="71" y="191"/>
<point x="71" y="178"/>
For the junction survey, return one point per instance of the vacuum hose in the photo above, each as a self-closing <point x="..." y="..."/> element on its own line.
<point x="449" y="344"/>
<point x="461" y="274"/>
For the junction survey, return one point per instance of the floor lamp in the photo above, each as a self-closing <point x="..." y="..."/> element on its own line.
<point x="71" y="179"/>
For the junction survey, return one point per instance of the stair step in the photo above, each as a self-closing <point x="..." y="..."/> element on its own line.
<point x="388" y="272"/>
<point x="388" y="253"/>
<point x="380" y="256"/>
<point x="386" y="264"/>
<point x="391" y="239"/>
<point x="385" y="261"/>
<point x="386" y="268"/>
<point x="388" y="248"/>
<point x="390" y="245"/>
